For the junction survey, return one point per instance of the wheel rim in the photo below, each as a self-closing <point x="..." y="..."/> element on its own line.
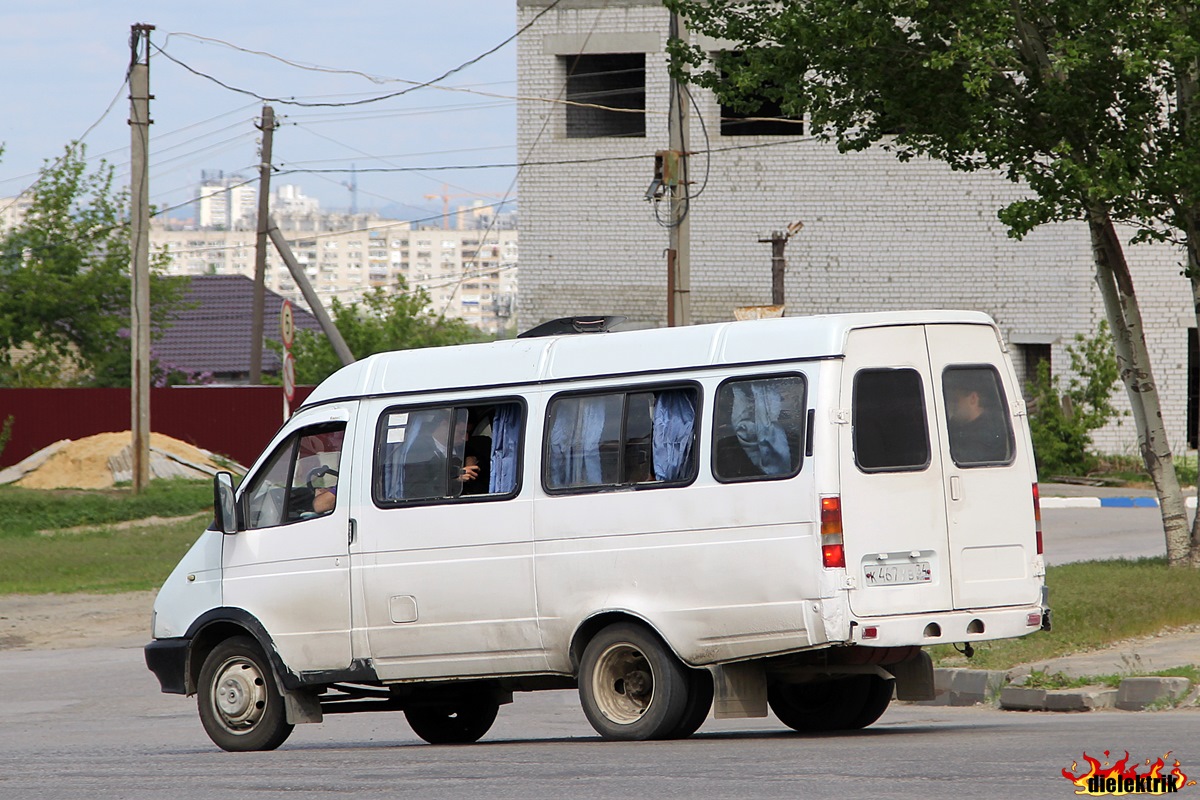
<point x="239" y="694"/>
<point x="623" y="684"/>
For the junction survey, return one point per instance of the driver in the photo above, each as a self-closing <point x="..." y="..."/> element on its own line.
<point x="325" y="497"/>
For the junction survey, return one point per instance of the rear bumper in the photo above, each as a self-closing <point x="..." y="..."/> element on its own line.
<point x="947" y="627"/>
<point x="167" y="659"/>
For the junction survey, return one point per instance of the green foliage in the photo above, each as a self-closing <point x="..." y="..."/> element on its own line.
<point x="1061" y="422"/>
<point x="64" y="282"/>
<point x="385" y="319"/>
<point x="6" y="432"/>
<point x="1096" y="603"/>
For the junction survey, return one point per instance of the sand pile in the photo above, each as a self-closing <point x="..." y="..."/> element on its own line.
<point x="97" y="462"/>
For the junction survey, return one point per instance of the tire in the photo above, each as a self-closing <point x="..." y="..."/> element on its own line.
<point x="240" y="705"/>
<point x="700" y="700"/>
<point x="632" y="687"/>
<point x="462" y="722"/>
<point x="835" y="705"/>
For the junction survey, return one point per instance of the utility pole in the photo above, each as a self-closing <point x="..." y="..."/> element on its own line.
<point x="139" y="268"/>
<point x="267" y="126"/>
<point x="679" y="285"/>
<point x="778" y="242"/>
<point x="314" y="302"/>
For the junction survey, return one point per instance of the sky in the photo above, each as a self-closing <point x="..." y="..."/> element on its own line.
<point x="64" y="63"/>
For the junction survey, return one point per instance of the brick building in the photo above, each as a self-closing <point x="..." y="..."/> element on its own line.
<point x="878" y="234"/>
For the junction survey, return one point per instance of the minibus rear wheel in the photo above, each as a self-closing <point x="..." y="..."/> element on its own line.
<point x="240" y="705"/>
<point x="632" y="687"/>
<point x="462" y="722"/>
<point x="845" y="703"/>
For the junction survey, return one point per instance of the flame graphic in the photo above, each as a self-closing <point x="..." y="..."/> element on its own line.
<point x="1094" y="781"/>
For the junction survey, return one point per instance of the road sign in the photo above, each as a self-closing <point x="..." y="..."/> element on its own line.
<point x="287" y="325"/>
<point x="289" y="376"/>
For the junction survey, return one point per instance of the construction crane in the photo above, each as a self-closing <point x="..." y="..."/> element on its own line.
<point x="446" y="197"/>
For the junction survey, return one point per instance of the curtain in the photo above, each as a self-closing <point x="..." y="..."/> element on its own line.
<point x="674" y="424"/>
<point x="757" y="407"/>
<point x="506" y="434"/>
<point x="393" y="471"/>
<point x="575" y="441"/>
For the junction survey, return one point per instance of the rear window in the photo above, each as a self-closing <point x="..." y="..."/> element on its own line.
<point x="891" y="433"/>
<point x="978" y="423"/>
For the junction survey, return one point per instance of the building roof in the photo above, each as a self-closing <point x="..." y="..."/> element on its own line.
<point x="213" y="334"/>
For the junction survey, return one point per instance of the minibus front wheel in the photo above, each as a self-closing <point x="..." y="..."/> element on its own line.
<point x="240" y="706"/>
<point x="632" y="687"/>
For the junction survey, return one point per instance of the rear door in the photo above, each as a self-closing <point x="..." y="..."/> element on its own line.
<point x="988" y="477"/>
<point x="893" y="504"/>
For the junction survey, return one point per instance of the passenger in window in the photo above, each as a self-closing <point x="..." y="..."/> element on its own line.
<point x="978" y="430"/>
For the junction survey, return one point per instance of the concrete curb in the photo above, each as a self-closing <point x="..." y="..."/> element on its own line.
<point x="966" y="687"/>
<point x="1106" y="502"/>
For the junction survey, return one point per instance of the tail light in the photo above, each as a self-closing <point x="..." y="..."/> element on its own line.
<point x="833" y="554"/>
<point x="1037" y="518"/>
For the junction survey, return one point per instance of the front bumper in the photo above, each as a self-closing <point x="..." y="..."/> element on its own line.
<point x="167" y="659"/>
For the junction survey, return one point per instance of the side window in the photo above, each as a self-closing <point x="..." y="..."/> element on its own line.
<point x="635" y="438"/>
<point x="447" y="452"/>
<point x="891" y="432"/>
<point x="299" y="481"/>
<point x="758" y="428"/>
<point x="979" y="427"/>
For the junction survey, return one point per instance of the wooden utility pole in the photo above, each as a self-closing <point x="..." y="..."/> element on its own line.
<point x="267" y="126"/>
<point x="679" y="310"/>
<point x="314" y="302"/>
<point x="139" y="268"/>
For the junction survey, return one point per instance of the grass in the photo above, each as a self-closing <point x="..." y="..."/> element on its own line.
<point x="1095" y="603"/>
<point x="103" y="557"/>
<point x="24" y="512"/>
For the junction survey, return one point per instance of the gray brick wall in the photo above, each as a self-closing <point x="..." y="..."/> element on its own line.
<point x="878" y="234"/>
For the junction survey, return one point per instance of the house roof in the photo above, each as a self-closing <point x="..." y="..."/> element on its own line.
<point x="213" y="334"/>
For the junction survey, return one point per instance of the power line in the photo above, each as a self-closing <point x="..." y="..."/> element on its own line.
<point x="364" y="101"/>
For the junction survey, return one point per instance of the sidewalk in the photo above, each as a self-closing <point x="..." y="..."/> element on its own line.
<point x="1069" y="495"/>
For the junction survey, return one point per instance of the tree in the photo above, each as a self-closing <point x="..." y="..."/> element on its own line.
<point x="1061" y="421"/>
<point x="64" y="282"/>
<point x="385" y="319"/>
<point x="1065" y="96"/>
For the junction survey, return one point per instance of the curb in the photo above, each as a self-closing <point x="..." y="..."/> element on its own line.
<point x="967" y="687"/>
<point x="1106" y="502"/>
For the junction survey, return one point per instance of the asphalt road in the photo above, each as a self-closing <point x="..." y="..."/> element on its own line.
<point x="1084" y="534"/>
<point x="91" y="724"/>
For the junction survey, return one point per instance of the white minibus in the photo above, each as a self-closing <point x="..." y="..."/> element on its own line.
<point x="775" y="514"/>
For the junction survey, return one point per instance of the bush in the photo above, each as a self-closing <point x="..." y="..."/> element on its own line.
<point x="1061" y="422"/>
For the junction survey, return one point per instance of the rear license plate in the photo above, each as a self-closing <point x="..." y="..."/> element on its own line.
<point x="897" y="574"/>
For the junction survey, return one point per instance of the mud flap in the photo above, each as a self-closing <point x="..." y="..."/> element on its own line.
<point x="739" y="690"/>
<point x="302" y="707"/>
<point x="914" y="677"/>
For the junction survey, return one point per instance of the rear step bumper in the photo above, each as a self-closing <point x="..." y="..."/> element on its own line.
<point x="946" y="627"/>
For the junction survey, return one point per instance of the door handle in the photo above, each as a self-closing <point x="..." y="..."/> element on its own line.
<point x="955" y="488"/>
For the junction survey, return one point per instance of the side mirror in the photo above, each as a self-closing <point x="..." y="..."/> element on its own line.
<point x="224" y="504"/>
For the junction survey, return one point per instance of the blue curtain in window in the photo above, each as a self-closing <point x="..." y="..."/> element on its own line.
<point x="757" y="406"/>
<point x="575" y="442"/>
<point x="674" y="423"/>
<point x="506" y="431"/>
<point x="393" y="471"/>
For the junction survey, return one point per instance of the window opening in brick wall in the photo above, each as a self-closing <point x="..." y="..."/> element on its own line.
<point x="1193" y="386"/>
<point x="757" y="116"/>
<point x="1030" y="356"/>
<point x="614" y="80"/>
